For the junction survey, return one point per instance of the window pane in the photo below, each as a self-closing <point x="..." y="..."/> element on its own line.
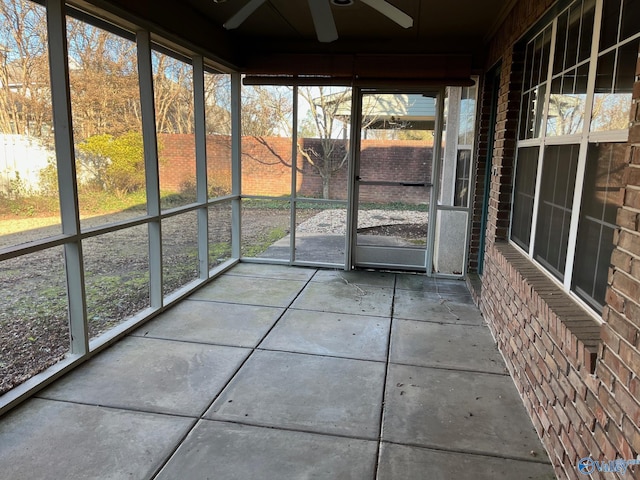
<point x="116" y="268"/>
<point x="466" y="131"/>
<point x="323" y="141"/>
<point x="610" y="23"/>
<point x="266" y="140"/>
<point x="320" y="232"/>
<point x="180" y="263"/>
<point x="217" y="91"/>
<point x="219" y="233"/>
<point x="34" y="325"/>
<point x="531" y="120"/>
<point x="29" y="204"/>
<point x="561" y="43"/>
<point x="265" y="228"/>
<point x="173" y="94"/>
<point x="554" y="211"/>
<point x="463" y="170"/>
<point x="586" y="29"/>
<point x="602" y="195"/>
<point x="630" y="15"/>
<point x="614" y="87"/>
<point x="524" y="192"/>
<point x="534" y="86"/>
<point x="107" y="128"/>
<point x="567" y="102"/>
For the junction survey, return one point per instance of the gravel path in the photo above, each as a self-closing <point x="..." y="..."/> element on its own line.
<point x="334" y="222"/>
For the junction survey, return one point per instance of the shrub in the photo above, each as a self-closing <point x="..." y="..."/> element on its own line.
<point x="114" y="164"/>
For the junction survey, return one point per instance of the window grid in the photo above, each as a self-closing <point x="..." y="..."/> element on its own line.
<point x="580" y="138"/>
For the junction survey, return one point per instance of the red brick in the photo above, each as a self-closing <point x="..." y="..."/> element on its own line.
<point x="619" y="442"/>
<point x="628" y="286"/>
<point x="627" y="403"/>
<point x="628" y="219"/>
<point x="620" y="326"/>
<point x="610" y="338"/>
<point x="596" y="407"/>
<point x="613" y="299"/>
<point x="634" y="155"/>
<point x="616" y="366"/>
<point x="587" y="416"/>
<point x="607" y="447"/>
<point x="609" y="404"/>
<point x="630" y="356"/>
<point x="577" y="383"/>
<point x="632" y="173"/>
<point x="631" y="196"/>
<point x="631" y="433"/>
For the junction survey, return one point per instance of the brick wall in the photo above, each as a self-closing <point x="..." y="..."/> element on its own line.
<point x="177" y="166"/>
<point x="266" y="167"/>
<point x="579" y="382"/>
<point x="485" y="118"/>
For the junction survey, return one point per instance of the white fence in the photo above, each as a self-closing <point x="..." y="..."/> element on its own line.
<point x="21" y="160"/>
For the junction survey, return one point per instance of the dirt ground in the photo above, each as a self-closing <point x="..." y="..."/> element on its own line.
<point x="34" y="331"/>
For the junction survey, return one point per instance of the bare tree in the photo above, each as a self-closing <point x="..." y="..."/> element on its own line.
<point x="104" y="82"/>
<point x="173" y="90"/>
<point x="326" y="121"/>
<point x="25" y="99"/>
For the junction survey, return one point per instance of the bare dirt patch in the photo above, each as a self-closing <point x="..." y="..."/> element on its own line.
<point x="34" y="331"/>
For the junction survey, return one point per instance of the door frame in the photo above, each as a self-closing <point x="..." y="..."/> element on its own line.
<point x="354" y="167"/>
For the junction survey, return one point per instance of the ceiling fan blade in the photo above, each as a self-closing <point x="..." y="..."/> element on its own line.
<point x="323" y="20"/>
<point x="241" y="15"/>
<point x="391" y="12"/>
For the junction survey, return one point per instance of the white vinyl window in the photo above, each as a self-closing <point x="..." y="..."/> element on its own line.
<point x="574" y="119"/>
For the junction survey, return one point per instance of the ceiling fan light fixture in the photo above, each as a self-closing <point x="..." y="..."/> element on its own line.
<point x="342" y="3"/>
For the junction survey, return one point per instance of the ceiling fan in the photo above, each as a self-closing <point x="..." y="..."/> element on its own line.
<point x="322" y="16"/>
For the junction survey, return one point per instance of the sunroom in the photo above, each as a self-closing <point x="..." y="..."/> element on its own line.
<point x="278" y="175"/>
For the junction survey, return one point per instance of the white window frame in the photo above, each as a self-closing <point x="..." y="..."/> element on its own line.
<point x="583" y="139"/>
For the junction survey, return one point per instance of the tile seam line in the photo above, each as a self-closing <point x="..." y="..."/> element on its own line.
<point x="452" y="369"/>
<point x="118" y="408"/>
<point x="376" y="470"/>
<point x="371" y="439"/>
<point x="339" y="357"/>
<point x="478" y="453"/>
<point x="200" y="417"/>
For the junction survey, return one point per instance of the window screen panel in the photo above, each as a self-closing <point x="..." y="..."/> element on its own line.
<point x="524" y="193"/>
<point x="554" y="212"/>
<point x="602" y="195"/>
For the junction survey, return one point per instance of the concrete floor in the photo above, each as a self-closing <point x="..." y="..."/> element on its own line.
<point x="273" y="372"/>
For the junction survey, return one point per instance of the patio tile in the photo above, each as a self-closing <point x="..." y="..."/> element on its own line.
<point x="334" y="334"/>
<point x="306" y="392"/>
<point x="431" y="307"/>
<point x="422" y="283"/>
<point x="400" y="461"/>
<point x="454" y="410"/>
<point x="268" y="292"/>
<point x="282" y="272"/>
<point x="356" y="277"/>
<point x="341" y="298"/>
<point x="151" y="375"/>
<point x="448" y="346"/>
<point x="58" y="440"/>
<point x="213" y="322"/>
<point x="240" y="452"/>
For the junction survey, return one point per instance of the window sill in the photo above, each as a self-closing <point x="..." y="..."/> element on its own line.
<point x="573" y="329"/>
